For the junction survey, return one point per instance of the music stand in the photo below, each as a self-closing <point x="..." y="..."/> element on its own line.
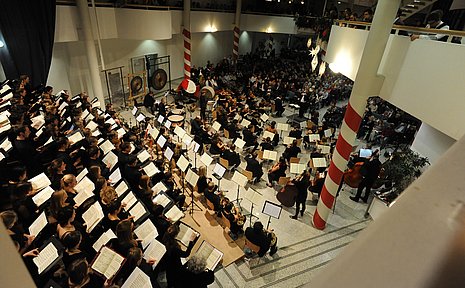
<point x="192" y="179"/>
<point x="241" y="180"/>
<point x="272" y="210"/>
<point x="195" y="148"/>
<point x="255" y="198"/>
<point x="218" y="173"/>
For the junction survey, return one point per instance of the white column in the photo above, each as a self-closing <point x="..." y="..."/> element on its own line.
<point x="367" y="84"/>
<point x="91" y="52"/>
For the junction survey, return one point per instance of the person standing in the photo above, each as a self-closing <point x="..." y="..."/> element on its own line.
<point x="302" y="182"/>
<point x="203" y="104"/>
<point x="370" y="171"/>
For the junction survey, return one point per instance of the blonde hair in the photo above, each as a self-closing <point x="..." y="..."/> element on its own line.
<point x="67" y="180"/>
<point x="202" y="171"/>
<point x="108" y="194"/>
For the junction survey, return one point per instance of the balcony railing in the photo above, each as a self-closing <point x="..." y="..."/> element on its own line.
<point x="452" y="34"/>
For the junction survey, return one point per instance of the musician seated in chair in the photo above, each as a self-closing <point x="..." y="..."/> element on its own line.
<point x="266" y="144"/>
<point x="278" y="170"/>
<point x="217" y="146"/>
<point x="291" y="151"/>
<point x="265" y="239"/>
<point x="214" y="198"/>
<point x="174" y="193"/>
<point x="254" y="166"/>
<point x="249" y="138"/>
<point x="296" y="132"/>
<point x="149" y="102"/>
<point x="234" y="159"/>
<point x="235" y="218"/>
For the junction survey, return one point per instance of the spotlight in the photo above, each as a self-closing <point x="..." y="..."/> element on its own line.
<point x="2" y="44"/>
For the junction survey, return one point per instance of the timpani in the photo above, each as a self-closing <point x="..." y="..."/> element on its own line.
<point x="176" y="120"/>
<point x="177" y="111"/>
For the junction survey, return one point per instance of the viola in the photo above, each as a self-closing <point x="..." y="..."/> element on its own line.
<point x="353" y="176"/>
<point x="287" y="195"/>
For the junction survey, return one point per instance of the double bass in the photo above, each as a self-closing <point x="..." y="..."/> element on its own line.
<point x="353" y="176"/>
<point x="287" y="194"/>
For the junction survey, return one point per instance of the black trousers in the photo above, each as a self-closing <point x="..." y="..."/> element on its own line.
<point x="366" y="183"/>
<point x="298" y="205"/>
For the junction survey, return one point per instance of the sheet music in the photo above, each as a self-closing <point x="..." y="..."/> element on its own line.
<point x="319" y="162"/>
<point x="137" y="279"/>
<point x="6" y="145"/>
<point x="130" y="200"/>
<point x="216" y="126"/>
<point x="140" y="117"/>
<point x="185" y="234"/>
<point x="143" y="156"/>
<point x="210" y="254"/>
<point x="270" y="155"/>
<point x="245" y="123"/>
<point x="110" y="160"/>
<point x="161" y="141"/>
<point x="160" y="119"/>
<point x="314" y="137"/>
<point x="110" y="120"/>
<point x="121" y="132"/>
<point x="147" y="232"/>
<point x="272" y="209"/>
<point x="93" y="216"/>
<point x="62" y="106"/>
<point x="297" y="168"/>
<point x="192" y="177"/>
<point x="38" y="224"/>
<point x="268" y="134"/>
<point x="138" y="210"/>
<point x="264" y="117"/>
<point x="132" y="147"/>
<point x="239" y="179"/>
<point x="40" y="131"/>
<point x="85" y="190"/>
<point x="169" y="153"/>
<point x="168" y="124"/>
<point x="155" y="250"/>
<point x="121" y="188"/>
<point x="37" y="121"/>
<point x="174" y="214"/>
<point x="46" y="257"/>
<point x="5" y="88"/>
<point x="103" y="239"/>
<point x="150" y="169"/>
<point x="239" y="143"/>
<point x="179" y="131"/>
<point x="107" y="262"/>
<point x="7" y="103"/>
<point x="96" y="104"/>
<point x="41" y="197"/>
<point x="159" y="187"/>
<point x="324" y="148"/>
<point x="254" y="197"/>
<point x="91" y="125"/>
<point x="187" y="139"/>
<point x="154" y="133"/>
<point x="40" y="182"/>
<point x="206" y="159"/>
<point x="81" y="175"/>
<point x="134" y="111"/>
<point x="8" y="127"/>
<point x="182" y="163"/>
<point x="288" y="140"/>
<point x="96" y="133"/>
<point x="328" y="133"/>
<point x="194" y="146"/>
<point x="282" y="126"/>
<point x="106" y="147"/>
<point x="75" y="137"/>
<point x="219" y="169"/>
<point x="115" y="176"/>
<point x="162" y="199"/>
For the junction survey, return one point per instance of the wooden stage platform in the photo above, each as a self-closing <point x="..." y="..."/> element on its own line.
<point x="208" y="225"/>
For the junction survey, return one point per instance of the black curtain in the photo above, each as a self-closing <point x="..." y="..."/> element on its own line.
<point x="28" y="29"/>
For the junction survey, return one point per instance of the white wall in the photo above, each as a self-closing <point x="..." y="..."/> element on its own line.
<point x="431" y="143"/>
<point x="423" y="78"/>
<point x="211" y="46"/>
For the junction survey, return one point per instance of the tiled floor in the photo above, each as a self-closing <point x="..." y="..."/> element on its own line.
<point x="303" y="250"/>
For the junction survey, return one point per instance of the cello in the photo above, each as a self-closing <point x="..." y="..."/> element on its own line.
<point x="287" y="194"/>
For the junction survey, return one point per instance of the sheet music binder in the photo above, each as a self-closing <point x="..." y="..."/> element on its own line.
<point x="210" y="254"/>
<point x="58" y="246"/>
<point x="114" y="256"/>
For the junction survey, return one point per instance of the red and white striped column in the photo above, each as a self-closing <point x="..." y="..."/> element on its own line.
<point x="367" y="84"/>
<point x="187" y="53"/>
<point x="236" y="43"/>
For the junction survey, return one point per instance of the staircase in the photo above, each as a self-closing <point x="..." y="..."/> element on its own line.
<point x="293" y="265"/>
<point x="412" y="7"/>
